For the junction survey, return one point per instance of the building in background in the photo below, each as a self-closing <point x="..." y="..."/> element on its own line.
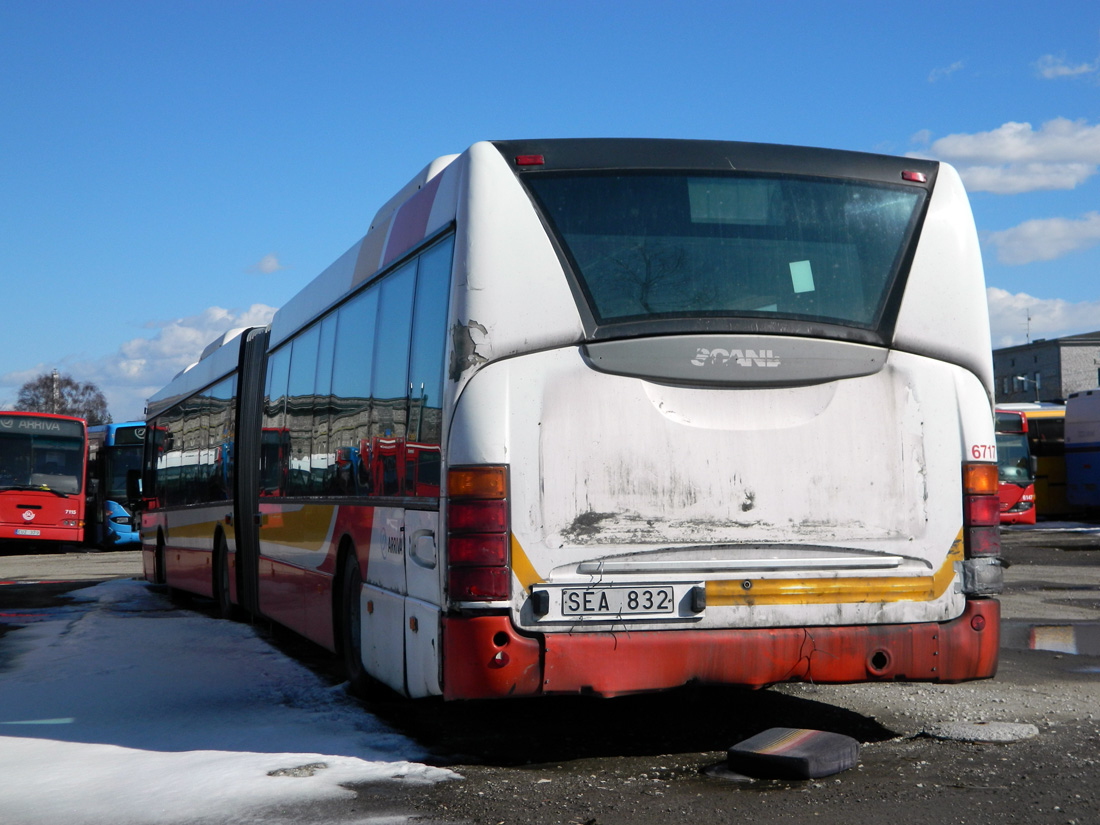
<point x="1047" y="369"/>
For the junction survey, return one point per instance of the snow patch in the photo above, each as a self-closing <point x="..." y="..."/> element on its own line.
<point x="127" y="709"/>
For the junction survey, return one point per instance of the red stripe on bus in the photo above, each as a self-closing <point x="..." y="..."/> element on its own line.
<point x="411" y="221"/>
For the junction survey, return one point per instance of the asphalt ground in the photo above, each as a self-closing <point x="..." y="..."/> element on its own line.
<point x="651" y="759"/>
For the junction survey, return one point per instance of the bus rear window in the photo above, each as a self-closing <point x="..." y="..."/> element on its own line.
<point x="648" y="246"/>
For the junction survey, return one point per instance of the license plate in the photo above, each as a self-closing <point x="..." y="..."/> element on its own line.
<point x="617" y="601"/>
<point x="22" y="532"/>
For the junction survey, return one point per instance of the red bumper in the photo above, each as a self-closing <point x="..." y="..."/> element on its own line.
<point x="485" y="657"/>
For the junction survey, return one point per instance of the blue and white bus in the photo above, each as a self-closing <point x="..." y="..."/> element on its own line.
<point x="113" y="450"/>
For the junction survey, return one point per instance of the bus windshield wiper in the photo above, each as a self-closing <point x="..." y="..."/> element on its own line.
<point x="41" y="488"/>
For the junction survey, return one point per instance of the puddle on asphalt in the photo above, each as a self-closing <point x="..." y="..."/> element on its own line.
<point x="30" y="615"/>
<point x="1079" y="639"/>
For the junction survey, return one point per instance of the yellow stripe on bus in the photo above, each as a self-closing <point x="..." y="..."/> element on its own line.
<point x="522" y="567"/>
<point x="856" y="589"/>
<point x="802" y="591"/>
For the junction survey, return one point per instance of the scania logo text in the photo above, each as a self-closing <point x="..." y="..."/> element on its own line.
<point x="740" y="357"/>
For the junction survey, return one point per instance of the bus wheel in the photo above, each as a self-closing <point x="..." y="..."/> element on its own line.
<point x="222" y="596"/>
<point x="159" y="574"/>
<point x="351" y="628"/>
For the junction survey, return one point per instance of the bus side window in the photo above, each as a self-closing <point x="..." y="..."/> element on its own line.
<point x="389" y="398"/>
<point x="429" y="346"/>
<point x="299" y="410"/>
<point x="274" y="440"/>
<point x="351" y="381"/>
<point x="323" y="455"/>
<point x="218" y="459"/>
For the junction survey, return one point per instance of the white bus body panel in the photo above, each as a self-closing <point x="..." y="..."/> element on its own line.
<point x="510" y="293"/>
<point x="944" y="311"/>
<point x="422" y="621"/>
<point x="383" y="615"/>
<point x="727" y="476"/>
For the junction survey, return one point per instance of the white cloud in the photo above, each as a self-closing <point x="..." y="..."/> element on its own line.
<point x="1015" y="158"/>
<point x="268" y="264"/>
<point x="941" y="73"/>
<point x="1051" y="67"/>
<point x="1016" y="178"/>
<point x="1045" y="239"/>
<point x="142" y="366"/>
<point x="923" y="137"/>
<point x="1049" y="317"/>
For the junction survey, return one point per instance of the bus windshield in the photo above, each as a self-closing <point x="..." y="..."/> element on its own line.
<point x="120" y="461"/>
<point x="673" y="245"/>
<point x="1014" y="458"/>
<point x="47" y="462"/>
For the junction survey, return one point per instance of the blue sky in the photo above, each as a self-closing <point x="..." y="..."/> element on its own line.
<point x="172" y="169"/>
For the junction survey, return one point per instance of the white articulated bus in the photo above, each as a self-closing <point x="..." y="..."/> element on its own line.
<point x="610" y="416"/>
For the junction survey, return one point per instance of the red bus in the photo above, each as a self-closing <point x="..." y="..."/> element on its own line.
<point x="1015" y="469"/>
<point x="42" y="471"/>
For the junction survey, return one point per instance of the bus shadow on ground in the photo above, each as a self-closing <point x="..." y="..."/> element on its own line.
<point x="692" y="719"/>
<point x="538" y="730"/>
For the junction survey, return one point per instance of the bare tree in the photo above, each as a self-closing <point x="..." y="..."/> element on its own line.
<point x="62" y="394"/>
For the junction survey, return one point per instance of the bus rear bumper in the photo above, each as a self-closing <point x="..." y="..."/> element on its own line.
<point x="485" y="657"/>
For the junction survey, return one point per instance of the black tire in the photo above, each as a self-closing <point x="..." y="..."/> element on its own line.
<point x="159" y="573"/>
<point x="351" y="629"/>
<point x="222" y="594"/>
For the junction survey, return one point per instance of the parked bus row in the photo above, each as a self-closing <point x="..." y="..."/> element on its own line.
<point x="1016" y="468"/>
<point x="1064" y="440"/>
<point x="565" y="420"/>
<point x="62" y="482"/>
<point x="1082" y="450"/>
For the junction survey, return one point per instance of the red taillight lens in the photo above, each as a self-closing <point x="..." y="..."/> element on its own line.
<point x="983" y="541"/>
<point x="478" y="536"/>
<point x="478" y="549"/>
<point x="479" y="583"/>
<point x="530" y="160"/>
<point x="479" y="516"/>
<point x="981" y="510"/>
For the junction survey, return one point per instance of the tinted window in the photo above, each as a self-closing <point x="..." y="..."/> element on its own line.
<point x="359" y="419"/>
<point x="1013" y="458"/>
<point x="219" y="417"/>
<point x="1047" y="436"/>
<point x="299" y="410"/>
<point x="429" y="345"/>
<point x="274" y="437"/>
<point x="351" y="380"/>
<point x="391" y="354"/>
<point x="322" y="461"/>
<point x="658" y="246"/>
<point x="168" y="462"/>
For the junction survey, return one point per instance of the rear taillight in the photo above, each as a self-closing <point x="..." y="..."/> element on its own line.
<point x="981" y="510"/>
<point x="478" y="534"/>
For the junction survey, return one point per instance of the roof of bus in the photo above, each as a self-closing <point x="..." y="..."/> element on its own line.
<point x="214" y="364"/>
<point x="1053" y="412"/>
<point x="717" y="155"/>
<point x="114" y="426"/>
<point x="426" y="205"/>
<point x="1043" y="409"/>
<point x="428" y="202"/>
